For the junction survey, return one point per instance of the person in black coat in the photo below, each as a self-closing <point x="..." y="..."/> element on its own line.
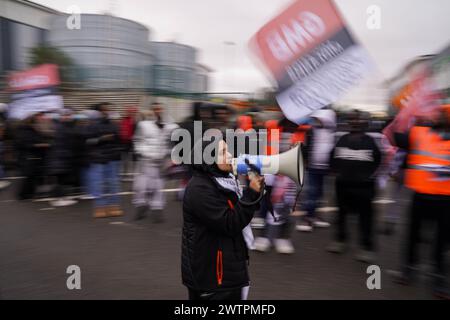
<point x="62" y="155"/>
<point x="33" y="149"/>
<point x="355" y="159"/>
<point x="81" y="159"/>
<point x="214" y="252"/>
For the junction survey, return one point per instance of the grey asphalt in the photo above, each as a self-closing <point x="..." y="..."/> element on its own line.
<point x="123" y="259"/>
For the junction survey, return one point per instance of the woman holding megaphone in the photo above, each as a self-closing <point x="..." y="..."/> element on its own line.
<point x="215" y="213"/>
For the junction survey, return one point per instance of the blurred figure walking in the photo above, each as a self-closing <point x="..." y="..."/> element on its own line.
<point x="62" y="154"/>
<point x="103" y="142"/>
<point x="428" y="175"/>
<point x="152" y="143"/>
<point x="279" y="199"/>
<point x="82" y="128"/>
<point x="200" y="114"/>
<point x="355" y="159"/>
<point x="127" y="130"/>
<point x="319" y="142"/>
<point x="33" y="148"/>
<point x="3" y="183"/>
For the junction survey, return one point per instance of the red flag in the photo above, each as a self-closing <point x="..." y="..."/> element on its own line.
<point x="421" y="103"/>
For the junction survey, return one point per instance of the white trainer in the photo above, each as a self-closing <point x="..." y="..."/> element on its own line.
<point x="319" y="223"/>
<point x="304" y="228"/>
<point x="261" y="244"/>
<point x="284" y="246"/>
<point x="4" y="184"/>
<point x="63" y="202"/>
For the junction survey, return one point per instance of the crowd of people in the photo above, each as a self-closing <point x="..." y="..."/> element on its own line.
<point x="360" y="163"/>
<point x="86" y="153"/>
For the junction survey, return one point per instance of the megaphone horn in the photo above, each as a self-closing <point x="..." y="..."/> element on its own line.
<point x="289" y="163"/>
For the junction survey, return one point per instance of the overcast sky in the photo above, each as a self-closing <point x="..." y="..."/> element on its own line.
<point x="408" y="28"/>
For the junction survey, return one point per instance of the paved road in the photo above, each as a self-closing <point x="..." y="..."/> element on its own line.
<point x="122" y="259"/>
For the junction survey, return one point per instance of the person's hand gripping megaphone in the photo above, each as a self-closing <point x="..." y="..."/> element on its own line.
<point x="256" y="180"/>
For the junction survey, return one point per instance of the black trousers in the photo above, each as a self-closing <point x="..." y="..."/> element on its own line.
<point x="356" y="199"/>
<point x="434" y="208"/>
<point x="266" y="203"/>
<point x="32" y="170"/>
<point x="234" y="294"/>
<point x="62" y="181"/>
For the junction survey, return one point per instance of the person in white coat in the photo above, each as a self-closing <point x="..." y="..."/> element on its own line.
<point x="152" y="145"/>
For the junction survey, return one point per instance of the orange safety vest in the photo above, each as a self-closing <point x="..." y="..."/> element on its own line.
<point x="245" y="122"/>
<point x="300" y="134"/>
<point x="428" y="160"/>
<point x="273" y="137"/>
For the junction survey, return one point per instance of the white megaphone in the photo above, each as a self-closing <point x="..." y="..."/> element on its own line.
<point x="289" y="163"/>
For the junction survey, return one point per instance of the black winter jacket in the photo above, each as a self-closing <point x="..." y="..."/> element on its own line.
<point x="102" y="151"/>
<point x="62" y="150"/>
<point x="29" y="155"/>
<point x="355" y="159"/>
<point x="214" y="253"/>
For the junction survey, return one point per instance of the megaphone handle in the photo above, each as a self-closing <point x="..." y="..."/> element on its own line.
<point x="252" y="168"/>
<point x="261" y="195"/>
<point x="253" y="172"/>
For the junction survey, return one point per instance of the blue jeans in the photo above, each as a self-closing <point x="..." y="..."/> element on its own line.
<point x="315" y="190"/>
<point x="115" y="177"/>
<point x="105" y="179"/>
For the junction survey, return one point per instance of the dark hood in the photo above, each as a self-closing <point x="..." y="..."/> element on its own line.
<point x="210" y="169"/>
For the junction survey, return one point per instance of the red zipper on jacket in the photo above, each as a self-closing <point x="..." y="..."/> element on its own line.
<point x="219" y="260"/>
<point x="219" y="267"/>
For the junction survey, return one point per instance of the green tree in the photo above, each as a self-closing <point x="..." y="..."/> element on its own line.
<point x="46" y="54"/>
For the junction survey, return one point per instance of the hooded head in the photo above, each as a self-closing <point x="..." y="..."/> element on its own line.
<point x="211" y="157"/>
<point x="357" y="121"/>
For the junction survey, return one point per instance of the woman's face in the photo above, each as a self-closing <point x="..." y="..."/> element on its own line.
<point x="224" y="158"/>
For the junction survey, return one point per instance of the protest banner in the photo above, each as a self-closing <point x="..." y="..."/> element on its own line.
<point x="311" y="55"/>
<point x="33" y="91"/>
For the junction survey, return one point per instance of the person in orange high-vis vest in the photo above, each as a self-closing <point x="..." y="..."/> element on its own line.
<point x="245" y="122"/>
<point x="300" y="134"/>
<point x="273" y="137"/>
<point x="428" y="162"/>
<point x="428" y="176"/>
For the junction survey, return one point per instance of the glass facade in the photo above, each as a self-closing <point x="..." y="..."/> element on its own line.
<point x="108" y="53"/>
<point x="16" y="40"/>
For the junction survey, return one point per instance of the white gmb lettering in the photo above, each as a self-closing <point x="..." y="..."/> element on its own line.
<point x="294" y="36"/>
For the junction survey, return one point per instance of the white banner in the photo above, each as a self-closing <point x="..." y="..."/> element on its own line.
<point x="326" y="85"/>
<point x="23" y="108"/>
